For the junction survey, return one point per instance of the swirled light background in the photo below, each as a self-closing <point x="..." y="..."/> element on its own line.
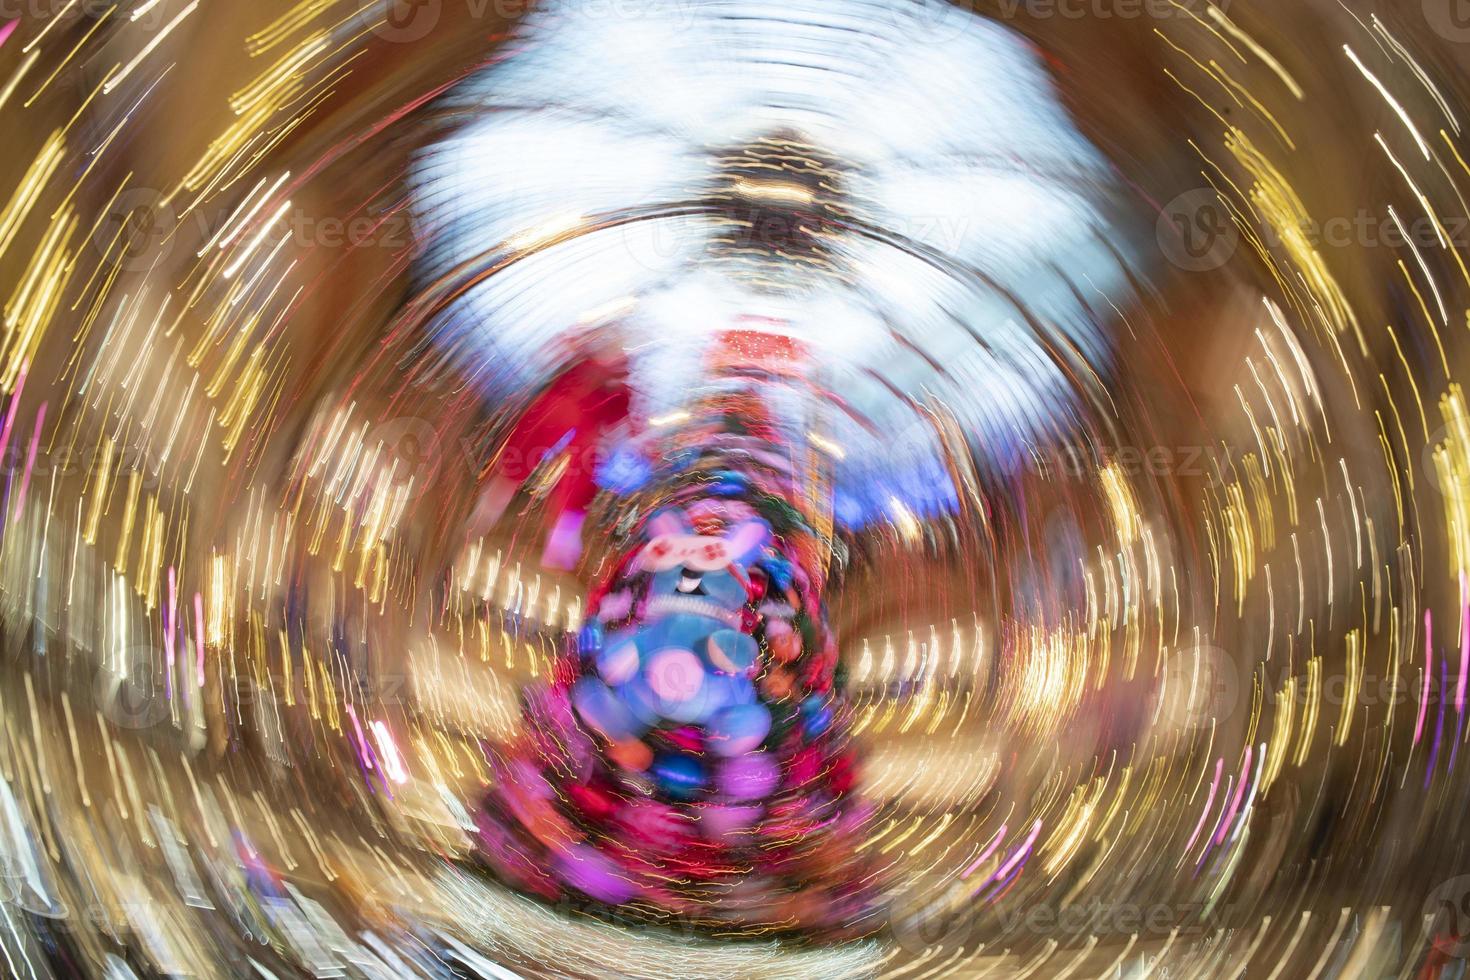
<point x="1133" y="338"/>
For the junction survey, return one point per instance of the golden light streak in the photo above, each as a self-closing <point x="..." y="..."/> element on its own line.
<point x="117" y="79"/>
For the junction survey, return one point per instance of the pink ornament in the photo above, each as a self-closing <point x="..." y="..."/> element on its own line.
<point x="675" y="675"/>
<point x="749" y="777"/>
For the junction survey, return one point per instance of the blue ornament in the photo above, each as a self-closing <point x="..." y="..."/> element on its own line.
<point x="623" y="471"/>
<point x="738" y="729"/>
<point x="728" y="483"/>
<point x="605" y="711"/>
<point x="731" y="652"/>
<point x="780" y="571"/>
<point x="680" y="776"/>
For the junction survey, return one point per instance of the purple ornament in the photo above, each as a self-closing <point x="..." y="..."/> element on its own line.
<point x="749" y="777"/>
<point x="718" y="820"/>
<point x="591" y="872"/>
